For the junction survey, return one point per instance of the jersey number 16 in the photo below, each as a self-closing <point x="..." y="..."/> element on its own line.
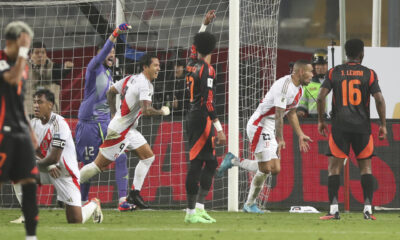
<point x="351" y="94"/>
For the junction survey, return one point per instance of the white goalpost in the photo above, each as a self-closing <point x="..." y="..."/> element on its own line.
<point x="244" y="61"/>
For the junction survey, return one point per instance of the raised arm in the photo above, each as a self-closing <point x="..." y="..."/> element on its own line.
<point x="13" y="75"/>
<point x="101" y="56"/>
<point x="210" y="15"/>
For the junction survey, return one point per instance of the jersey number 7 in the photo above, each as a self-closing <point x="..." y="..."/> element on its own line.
<point x="354" y="94"/>
<point x="190" y="84"/>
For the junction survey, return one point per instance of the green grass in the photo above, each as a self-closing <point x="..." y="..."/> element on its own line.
<point x="163" y="225"/>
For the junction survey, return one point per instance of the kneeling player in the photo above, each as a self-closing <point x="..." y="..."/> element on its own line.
<point x="136" y="92"/>
<point x="56" y="160"/>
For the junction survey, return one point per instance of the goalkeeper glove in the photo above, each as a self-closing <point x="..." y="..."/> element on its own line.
<point x="121" y="29"/>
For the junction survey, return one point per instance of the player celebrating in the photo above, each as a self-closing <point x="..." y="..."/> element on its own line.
<point x="136" y="92"/>
<point x="352" y="85"/>
<point x="201" y="84"/>
<point x="15" y="131"/>
<point x="94" y="116"/>
<point x="57" y="160"/>
<point x="265" y="130"/>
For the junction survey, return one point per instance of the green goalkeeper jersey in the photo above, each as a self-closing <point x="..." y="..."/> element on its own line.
<point x="308" y="102"/>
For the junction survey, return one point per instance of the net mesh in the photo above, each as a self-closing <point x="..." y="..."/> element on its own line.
<point x="72" y="30"/>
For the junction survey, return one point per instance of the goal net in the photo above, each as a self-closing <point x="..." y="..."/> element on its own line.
<point x="72" y="32"/>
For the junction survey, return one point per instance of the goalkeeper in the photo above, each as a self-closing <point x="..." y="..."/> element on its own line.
<point x="94" y="116"/>
<point x="200" y="81"/>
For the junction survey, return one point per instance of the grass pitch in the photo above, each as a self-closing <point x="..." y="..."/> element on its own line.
<point x="163" y="225"/>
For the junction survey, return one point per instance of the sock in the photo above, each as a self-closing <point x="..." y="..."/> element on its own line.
<point x="122" y="199"/>
<point x="121" y="175"/>
<point x="206" y="178"/>
<point x="333" y="188"/>
<point x="333" y="209"/>
<point x="255" y="187"/>
<point x="88" y="171"/>
<point x="192" y="182"/>
<point x="31" y="238"/>
<point x="201" y="196"/>
<point x="18" y="192"/>
<point x="249" y="165"/>
<point x="29" y="208"/>
<point x="191" y="198"/>
<point x="190" y="211"/>
<point x="368" y="208"/>
<point x="88" y="210"/>
<point x="141" y="171"/>
<point x="367" y="183"/>
<point x="200" y="206"/>
<point x="85" y="188"/>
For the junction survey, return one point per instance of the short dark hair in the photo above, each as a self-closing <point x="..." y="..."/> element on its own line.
<point x="46" y="93"/>
<point x="301" y="63"/>
<point x="180" y="63"/>
<point x="146" y="60"/>
<point x="354" y="47"/>
<point x="205" y="42"/>
<point x="38" y="45"/>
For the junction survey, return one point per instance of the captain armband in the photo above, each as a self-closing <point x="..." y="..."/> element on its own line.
<point x="58" y="143"/>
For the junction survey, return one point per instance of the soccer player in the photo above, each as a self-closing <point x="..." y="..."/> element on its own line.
<point x="352" y="84"/>
<point x="308" y="103"/>
<point x="15" y="131"/>
<point x="265" y="130"/>
<point x="94" y="116"/>
<point x="201" y="84"/>
<point x="136" y="92"/>
<point x="56" y="159"/>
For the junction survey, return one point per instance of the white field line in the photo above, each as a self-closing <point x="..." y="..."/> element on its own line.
<point x="191" y="229"/>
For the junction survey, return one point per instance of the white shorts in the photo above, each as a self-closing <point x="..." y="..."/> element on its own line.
<point x="262" y="140"/>
<point x="112" y="148"/>
<point x="68" y="189"/>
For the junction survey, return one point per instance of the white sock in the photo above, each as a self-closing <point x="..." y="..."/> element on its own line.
<point x="18" y="192"/>
<point x="88" y="171"/>
<point x="200" y="206"/>
<point x="249" y="165"/>
<point x="190" y="211"/>
<point x="368" y="208"/>
<point x="256" y="185"/>
<point x="141" y="171"/>
<point x="30" y="238"/>
<point x="122" y="199"/>
<point x="333" y="209"/>
<point x="88" y="210"/>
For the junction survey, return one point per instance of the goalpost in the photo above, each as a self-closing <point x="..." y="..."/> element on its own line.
<point x="244" y="60"/>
